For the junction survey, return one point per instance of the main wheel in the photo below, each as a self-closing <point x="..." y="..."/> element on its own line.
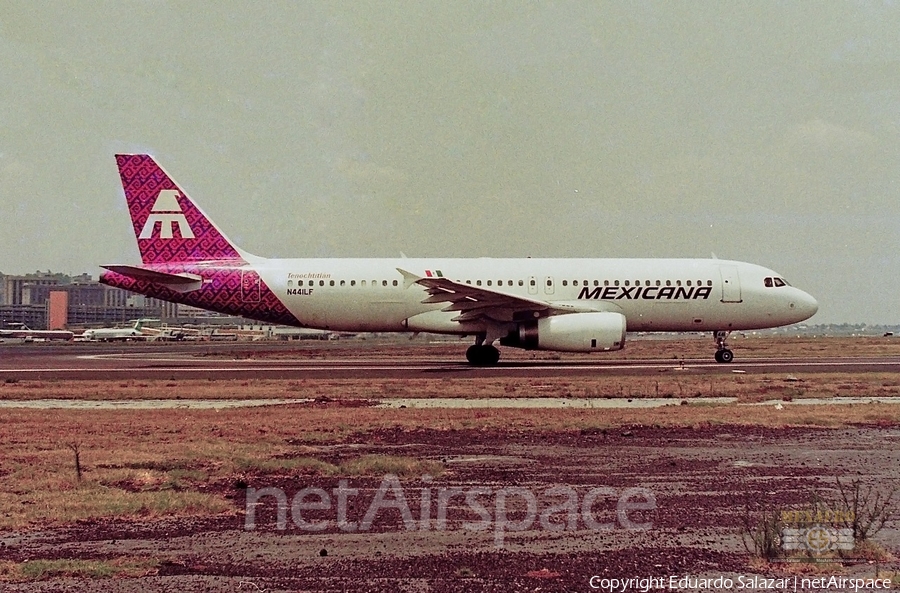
<point x="482" y="355"/>
<point x="491" y="355"/>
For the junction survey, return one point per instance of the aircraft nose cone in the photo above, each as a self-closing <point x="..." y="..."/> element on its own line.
<point x="805" y="305"/>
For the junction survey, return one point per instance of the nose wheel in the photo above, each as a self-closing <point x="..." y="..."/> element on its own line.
<point x="723" y="354"/>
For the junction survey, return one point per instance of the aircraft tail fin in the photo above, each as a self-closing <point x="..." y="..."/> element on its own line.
<point x="168" y="226"/>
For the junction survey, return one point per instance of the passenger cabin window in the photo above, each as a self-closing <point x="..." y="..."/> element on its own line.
<point x="363" y="283"/>
<point x="321" y="283"/>
<point x="522" y="283"/>
<point x="565" y="282"/>
<point x="395" y="283"/>
<point x="489" y="282"/>
<point x="478" y="282"/>
<point x="343" y="282"/>
<point x="533" y="282"/>
<point x="290" y="283"/>
<point x="353" y="283"/>
<point x="331" y="283"/>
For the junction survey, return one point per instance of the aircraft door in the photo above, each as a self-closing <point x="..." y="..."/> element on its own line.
<point x="250" y="286"/>
<point x="548" y="285"/>
<point x="731" y="284"/>
<point x="532" y="285"/>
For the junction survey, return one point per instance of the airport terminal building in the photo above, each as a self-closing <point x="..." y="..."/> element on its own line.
<point x="47" y="300"/>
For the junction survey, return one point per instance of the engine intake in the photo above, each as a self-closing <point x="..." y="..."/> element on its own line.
<point x="573" y="332"/>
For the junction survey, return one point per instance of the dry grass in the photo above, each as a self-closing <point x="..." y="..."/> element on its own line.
<point x="36" y="570"/>
<point x="673" y="384"/>
<point x="152" y="463"/>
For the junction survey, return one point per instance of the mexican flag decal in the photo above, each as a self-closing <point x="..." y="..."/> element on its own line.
<point x="433" y="274"/>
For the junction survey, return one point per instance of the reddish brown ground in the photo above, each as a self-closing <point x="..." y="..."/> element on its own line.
<point x="704" y="479"/>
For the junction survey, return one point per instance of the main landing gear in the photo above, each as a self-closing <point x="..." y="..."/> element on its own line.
<point x="481" y="354"/>
<point x="723" y="354"/>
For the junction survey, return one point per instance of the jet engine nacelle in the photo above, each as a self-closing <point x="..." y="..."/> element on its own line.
<point x="573" y="332"/>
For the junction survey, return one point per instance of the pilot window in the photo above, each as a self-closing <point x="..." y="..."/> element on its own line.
<point x="779" y="282"/>
<point x="768" y="282"/>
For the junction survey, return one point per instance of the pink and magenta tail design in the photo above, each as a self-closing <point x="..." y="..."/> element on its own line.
<point x="186" y="259"/>
<point x="169" y="227"/>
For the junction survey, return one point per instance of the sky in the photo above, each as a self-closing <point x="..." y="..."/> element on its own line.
<point x="766" y="132"/>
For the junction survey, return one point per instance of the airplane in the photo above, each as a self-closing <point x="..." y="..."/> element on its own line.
<point x="115" y="334"/>
<point x="22" y="331"/>
<point x="567" y="305"/>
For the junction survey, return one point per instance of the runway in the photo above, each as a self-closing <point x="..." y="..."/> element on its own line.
<point x="231" y="361"/>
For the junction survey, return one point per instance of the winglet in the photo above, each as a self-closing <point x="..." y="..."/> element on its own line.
<point x="408" y="278"/>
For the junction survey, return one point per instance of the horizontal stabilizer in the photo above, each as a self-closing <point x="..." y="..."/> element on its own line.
<point x="178" y="282"/>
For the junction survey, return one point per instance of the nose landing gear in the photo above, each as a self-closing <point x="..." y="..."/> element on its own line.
<point x="723" y="354"/>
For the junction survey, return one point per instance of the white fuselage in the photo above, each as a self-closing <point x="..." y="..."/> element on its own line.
<point x="652" y="294"/>
<point x="112" y="334"/>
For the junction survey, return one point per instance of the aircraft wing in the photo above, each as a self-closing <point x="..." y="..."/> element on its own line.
<point x="477" y="302"/>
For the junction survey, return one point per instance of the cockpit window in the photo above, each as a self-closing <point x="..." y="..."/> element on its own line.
<point x="768" y="282"/>
<point x="779" y="282"/>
